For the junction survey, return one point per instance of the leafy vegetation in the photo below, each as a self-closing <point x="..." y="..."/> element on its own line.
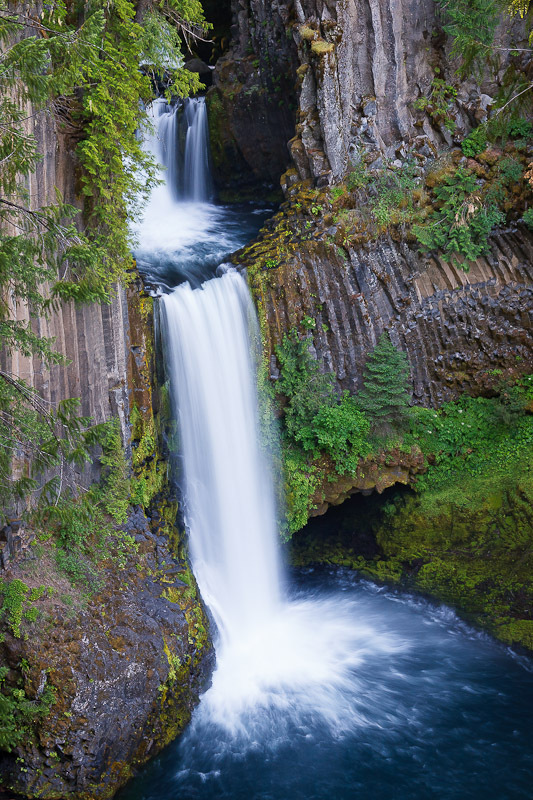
<point x="471" y="25"/>
<point x="315" y="417"/>
<point x="17" y="603"/>
<point x="438" y="103"/>
<point x="384" y="397"/>
<point x="320" y="424"/>
<point x="465" y="534"/>
<point x="528" y="218"/>
<point x="475" y="142"/>
<point x="460" y="224"/>
<point x="475" y="436"/>
<point x="80" y="61"/>
<point x="327" y="436"/>
<point x="18" y="712"/>
<point x="84" y="527"/>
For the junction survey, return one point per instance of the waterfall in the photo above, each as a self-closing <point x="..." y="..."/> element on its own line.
<point x="280" y="661"/>
<point x="180" y="144"/>
<point x="336" y="688"/>
<point x="197" y="179"/>
<point x="229" y="497"/>
<point x="272" y="653"/>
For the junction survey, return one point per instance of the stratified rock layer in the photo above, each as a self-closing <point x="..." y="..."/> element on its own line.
<point x="459" y="329"/>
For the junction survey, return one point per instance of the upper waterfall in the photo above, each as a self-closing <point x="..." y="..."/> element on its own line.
<point x="181" y="235"/>
<point x="180" y="143"/>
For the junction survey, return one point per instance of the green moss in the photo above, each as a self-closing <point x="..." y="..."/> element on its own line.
<point x="115" y="481"/>
<point x="307" y="33"/>
<point x="149" y="472"/>
<point x="320" y="47"/>
<point x="519" y="631"/>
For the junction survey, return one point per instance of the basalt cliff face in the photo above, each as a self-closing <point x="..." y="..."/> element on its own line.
<point x="462" y="331"/>
<point x="368" y="74"/>
<point x="360" y="68"/>
<point x="95" y="338"/>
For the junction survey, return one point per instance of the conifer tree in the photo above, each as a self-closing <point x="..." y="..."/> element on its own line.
<point x="384" y="396"/>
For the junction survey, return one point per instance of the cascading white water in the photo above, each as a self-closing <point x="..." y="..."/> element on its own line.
<point x="180" y="143"/>
<point x="229" y="496"/>
<point x="181" y="235"/>
<point x="272" y="654"/>
<point x="197" y="178"/>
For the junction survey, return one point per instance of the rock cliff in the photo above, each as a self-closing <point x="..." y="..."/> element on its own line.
<point x="361" y="67"/>
<point x="377" y="97"/>
<point x="125" y="663"/>
<point x="93" y="337"/>
<point x="460" y="330"/>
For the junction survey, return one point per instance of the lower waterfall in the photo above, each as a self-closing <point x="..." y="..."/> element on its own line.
<point x="326" y="685"/>
<point x="272" y="653"/>
<point x="229" y="497"/>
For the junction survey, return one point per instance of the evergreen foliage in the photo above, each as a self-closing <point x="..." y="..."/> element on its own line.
<point x="79" y="61"/>
<point x="461" y="222"/>
<point x="384" y="397"/>
<point x="471" y="24"/>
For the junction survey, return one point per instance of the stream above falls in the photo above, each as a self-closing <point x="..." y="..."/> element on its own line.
<point x="326" y="685"/>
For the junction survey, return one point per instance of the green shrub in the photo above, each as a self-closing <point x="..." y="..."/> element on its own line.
<point x="17" y="604"/>
<point x="315" y="417"/>
<point x="520" y="128"/>
<point x="474" y="436"/>
<point x="18" y="712"/>
<point x="306" y="389"/>
<point x="475" y="143"/>
<point x="528" y="218"/>
<point x="358" y="177"/>
<point x="438" y="103"/>
<point x="342" y="431"/>
<point x="461" y="223"/>
<point x="301" y="482"/>
<point x="394" y="195"/>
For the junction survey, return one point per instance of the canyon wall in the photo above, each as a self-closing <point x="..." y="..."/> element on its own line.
<point x="361" y="68"/>
<point x="94" y="338"/>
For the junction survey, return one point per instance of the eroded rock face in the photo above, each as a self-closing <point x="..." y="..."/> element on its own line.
<point x="127" y="665"/>
<point x="373" y="475"/>
<point x="462" y="331"/>
<point x="361" y="68"/>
